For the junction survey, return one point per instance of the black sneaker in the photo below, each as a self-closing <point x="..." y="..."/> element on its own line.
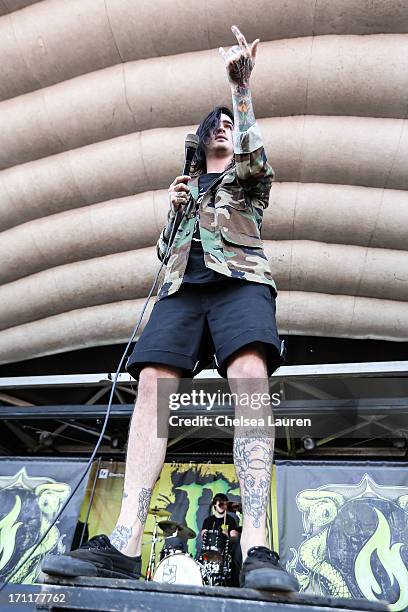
<point x="95" y="558"/>
<point x="262" y="570"/>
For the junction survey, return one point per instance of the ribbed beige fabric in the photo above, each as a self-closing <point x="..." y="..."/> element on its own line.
<point x="56" y="40"/>
<point x="298" y="312"/>
<point x="339" y="74"/>
<point x="93" y="125"/>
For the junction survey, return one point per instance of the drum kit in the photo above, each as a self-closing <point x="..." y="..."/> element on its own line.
<point x="215" y="558"/>
<point x="176" y="565"/>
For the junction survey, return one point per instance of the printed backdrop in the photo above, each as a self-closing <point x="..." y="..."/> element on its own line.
<point x="185" y="490"/>
<point x="31" y="494"/>
<point x="343" y="528"/>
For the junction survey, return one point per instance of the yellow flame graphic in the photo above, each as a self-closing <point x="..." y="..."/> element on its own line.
<point x="8" y="530"/>
<point x="390" y="558"/>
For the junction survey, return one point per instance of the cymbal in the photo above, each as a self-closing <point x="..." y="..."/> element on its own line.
<point x="169" y="526"/>
<point x="234" y="506"/>
<point x="159" y="512"/>
<point x="183" y="532"/>
<point x="186" y="533"/>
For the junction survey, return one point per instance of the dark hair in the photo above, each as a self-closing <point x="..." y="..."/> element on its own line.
<point x="219" y="497"/>
<point x="210" y="123"/>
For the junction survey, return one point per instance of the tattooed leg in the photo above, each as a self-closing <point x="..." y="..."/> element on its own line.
<point x="253" y="458"/>
<point x="144" y="460"/>
<point x="253" y="447"/>
<point x="120" y="536"/>
<point x="143" y="506"/>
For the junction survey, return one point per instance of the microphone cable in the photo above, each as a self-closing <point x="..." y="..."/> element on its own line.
<point x="175" y="224"/>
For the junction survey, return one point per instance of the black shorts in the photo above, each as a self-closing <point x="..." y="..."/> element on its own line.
<point x="199" y="323"/>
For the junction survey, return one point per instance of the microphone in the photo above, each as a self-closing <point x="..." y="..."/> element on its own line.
<point x="190" y="147"/>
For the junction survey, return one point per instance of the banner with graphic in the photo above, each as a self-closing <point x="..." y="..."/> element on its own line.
<point x="343" y="528"/>
<point x="186" y="490"/>
<point x="32" y="492"/>
<point x="183" y="489"/>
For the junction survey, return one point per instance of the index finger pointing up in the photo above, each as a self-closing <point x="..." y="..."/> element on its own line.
<point x="240" y="38"/>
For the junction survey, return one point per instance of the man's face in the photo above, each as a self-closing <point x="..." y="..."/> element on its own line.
<point x="220" y="143"/>
<point x="220" y="506"/>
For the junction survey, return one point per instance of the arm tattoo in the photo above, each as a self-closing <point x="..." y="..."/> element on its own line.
<point x="239" y="62"/>
<point x="120" y="536"/>
<point x="253" y="463"/>
<point x="244" y="115"/>
<point x="143" y="504"/>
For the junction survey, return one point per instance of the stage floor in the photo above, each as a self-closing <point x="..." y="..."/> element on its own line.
<point x="110" y="595"/>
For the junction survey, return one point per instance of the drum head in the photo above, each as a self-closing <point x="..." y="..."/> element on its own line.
<point x="214" y="545"/>
<point x="178" y="568"/>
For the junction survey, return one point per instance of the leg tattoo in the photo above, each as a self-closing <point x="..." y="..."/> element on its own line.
<point x="121" y="536"/>
<point x="253" y="463"/>
<point x="143" y="504"/>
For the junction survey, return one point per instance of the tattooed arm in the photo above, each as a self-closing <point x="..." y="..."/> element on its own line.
<point x="252" y="168"/>
<point x="239" y="62"/>
<point x="244" y="116"/>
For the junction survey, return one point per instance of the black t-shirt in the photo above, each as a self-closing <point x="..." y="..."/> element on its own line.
<point x="196" y="270"/>
<point x="213" y="522"/>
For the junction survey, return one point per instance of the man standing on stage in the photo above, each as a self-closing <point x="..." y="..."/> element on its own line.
<point x="217" y="298"/>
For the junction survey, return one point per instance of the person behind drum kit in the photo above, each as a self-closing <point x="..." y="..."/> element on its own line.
<point x="220" y="519"/>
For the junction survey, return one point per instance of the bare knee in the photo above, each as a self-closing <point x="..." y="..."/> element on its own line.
<point x="249" y="362"/>
<point x="149" y="376"/>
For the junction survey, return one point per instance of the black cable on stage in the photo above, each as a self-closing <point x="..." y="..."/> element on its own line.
<point x="191" y="144"/>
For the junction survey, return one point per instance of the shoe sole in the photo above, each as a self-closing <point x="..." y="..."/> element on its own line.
<point x="263" y="579"/>
<point x="65" y="567"/>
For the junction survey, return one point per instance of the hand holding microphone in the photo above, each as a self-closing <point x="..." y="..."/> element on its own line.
<point x="179" y="191"/>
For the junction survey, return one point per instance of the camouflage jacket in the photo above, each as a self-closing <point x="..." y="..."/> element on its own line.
<point x="230" y="215"/>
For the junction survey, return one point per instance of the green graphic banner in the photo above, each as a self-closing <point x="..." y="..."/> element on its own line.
<point x="343" y="528"/>
<point x="185" y="490"/>
<point x="31" y="495"/>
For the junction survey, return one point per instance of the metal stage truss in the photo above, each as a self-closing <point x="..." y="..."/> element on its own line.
<point x="361" y="408"/>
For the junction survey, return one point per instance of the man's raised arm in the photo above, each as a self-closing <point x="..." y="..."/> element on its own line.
<point x="252" y="168"/>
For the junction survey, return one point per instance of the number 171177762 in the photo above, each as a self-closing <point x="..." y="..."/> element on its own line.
<point x="13" y="598"/>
